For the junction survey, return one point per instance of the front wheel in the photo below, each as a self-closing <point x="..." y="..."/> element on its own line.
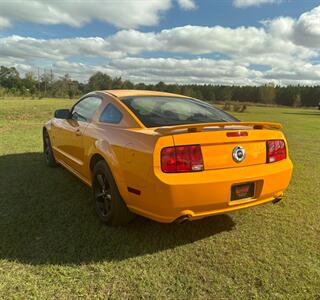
<point x="47" y="151"/>
<point x="109" y="205"/>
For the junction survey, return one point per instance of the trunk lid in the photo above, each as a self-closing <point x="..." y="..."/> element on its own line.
<point x="218" y="148"/>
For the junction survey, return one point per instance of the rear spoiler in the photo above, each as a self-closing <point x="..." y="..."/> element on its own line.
<point x="201" y="126"/>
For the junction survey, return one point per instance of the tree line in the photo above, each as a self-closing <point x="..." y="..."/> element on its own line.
<point x="47" y="85"/>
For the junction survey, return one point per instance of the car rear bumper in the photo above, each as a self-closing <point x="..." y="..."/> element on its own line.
<point x="203" y="194"/>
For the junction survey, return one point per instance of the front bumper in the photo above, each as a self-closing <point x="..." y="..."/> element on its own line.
<point x="168" y="197"/>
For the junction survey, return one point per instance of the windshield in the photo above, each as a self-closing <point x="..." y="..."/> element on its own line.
<point x="167" y="111"/>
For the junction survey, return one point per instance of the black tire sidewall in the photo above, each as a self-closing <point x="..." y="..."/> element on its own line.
<point x="101" y="168"/>
<point x="119" y="213"/>
<point x="50" y="160"/>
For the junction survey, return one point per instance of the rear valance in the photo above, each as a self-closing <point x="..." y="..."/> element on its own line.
<point x="202" y="126"/>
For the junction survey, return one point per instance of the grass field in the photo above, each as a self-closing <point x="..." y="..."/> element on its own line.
<point x="53" y="246"/>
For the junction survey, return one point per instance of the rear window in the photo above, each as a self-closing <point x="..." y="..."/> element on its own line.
<point x="167" y="111"/>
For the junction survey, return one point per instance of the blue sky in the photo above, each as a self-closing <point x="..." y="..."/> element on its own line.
<point x="208" y="13"/>
<point x="186" y="41"/>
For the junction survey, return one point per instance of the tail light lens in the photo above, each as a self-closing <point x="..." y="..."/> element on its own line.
<point x="276" y="150"/>
<point x="237" y="133"/>
<point x="182" y="159"/>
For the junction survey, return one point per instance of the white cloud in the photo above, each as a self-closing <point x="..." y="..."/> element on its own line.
<point x="247" y="3"/>
<point x="248" y="44"/>
<point x="284" y="50"/>
<point x="187" y="4"/>
<point x="81" y="71"/>
<point x="169" y="70"/>
<point x="307" y="29"/>
<point x="4" y="22"/>
<point x="151" y="70"/>
<point x="184" y="70"/>
<point x="280" y="27"/>
<point x="212" y="71"/>
<point x="133" y="41"/>
<point x="123" y="14"/>
<point x="211" y="39"/>
<point x="296" y="71"/>
<point x="55" y="49"/>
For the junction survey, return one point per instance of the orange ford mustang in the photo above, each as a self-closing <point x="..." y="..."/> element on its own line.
<point x="165" y="156"/>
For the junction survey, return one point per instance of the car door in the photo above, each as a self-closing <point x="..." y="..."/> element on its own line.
<point x="69" y="134"/>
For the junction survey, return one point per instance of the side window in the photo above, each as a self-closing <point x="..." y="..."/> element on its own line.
<point x="85" y="109"/>
<point x="111" y="115"/>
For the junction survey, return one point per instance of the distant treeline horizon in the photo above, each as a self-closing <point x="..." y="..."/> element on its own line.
<point x="46" y="85"/>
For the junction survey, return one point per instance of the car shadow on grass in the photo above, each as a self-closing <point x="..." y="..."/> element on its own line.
<point x="47" y="217"/>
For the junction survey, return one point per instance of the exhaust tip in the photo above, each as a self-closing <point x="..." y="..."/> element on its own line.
<point x="276" y="200"/>
<point x="182" y="219"/>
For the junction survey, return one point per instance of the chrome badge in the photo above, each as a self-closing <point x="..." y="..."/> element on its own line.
<point x="238" y="154"/>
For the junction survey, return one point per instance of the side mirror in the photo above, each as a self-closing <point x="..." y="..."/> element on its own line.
<point x="62" y="114"/>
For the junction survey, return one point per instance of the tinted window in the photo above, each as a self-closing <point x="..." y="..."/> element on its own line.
<point x="162" y="111"/>
<point x="111" y="115"/>
<point x="85" y="109"/>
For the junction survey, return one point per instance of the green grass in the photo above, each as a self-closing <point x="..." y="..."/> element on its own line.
<point x="53" y="246"/>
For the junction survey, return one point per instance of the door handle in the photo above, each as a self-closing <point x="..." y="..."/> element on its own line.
<point x="78" y="132"/>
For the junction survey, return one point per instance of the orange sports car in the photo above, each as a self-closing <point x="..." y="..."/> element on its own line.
<point x="165" y="156"/>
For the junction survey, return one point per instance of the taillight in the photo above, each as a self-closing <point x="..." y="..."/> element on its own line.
<point x="168" y="160"/>
<point x="276" y="150"/>
<point x="181" y="159"/>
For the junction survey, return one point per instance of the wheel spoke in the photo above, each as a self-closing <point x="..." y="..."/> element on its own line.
<point x="103" y="196"/>
<point x="100" y="195"/>
<point x="101" y="181"/>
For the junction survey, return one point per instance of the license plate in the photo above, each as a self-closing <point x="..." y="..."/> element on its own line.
<point x="242" y="191"/>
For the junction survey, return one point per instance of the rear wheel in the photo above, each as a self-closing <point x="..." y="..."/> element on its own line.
<point x="47" y="151"/>
<point x="109" y="205"/>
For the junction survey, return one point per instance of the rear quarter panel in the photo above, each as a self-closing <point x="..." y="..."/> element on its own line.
<point x="126" y="147"/>
<point x="129" y="154"/>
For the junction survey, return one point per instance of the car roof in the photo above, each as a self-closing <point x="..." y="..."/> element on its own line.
<point x="133" y="93"/>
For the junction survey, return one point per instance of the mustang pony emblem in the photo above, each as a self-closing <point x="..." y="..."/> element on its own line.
<point x="238" y="154"/>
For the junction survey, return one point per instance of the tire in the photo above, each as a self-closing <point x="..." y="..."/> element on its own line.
<point x="47" y="151"/>
<point x="109" y="205"/>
